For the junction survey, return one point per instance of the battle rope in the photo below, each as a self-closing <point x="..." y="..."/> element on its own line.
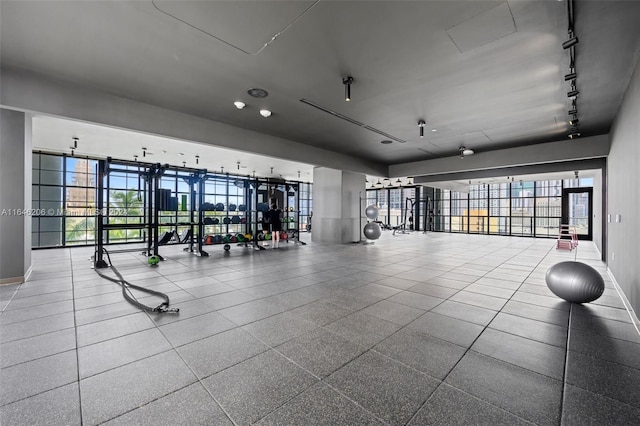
<point x="162" y="308"/>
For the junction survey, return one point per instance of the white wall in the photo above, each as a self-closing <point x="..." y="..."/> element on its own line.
<point x="15" y="196"/>
<point x="623" y="173"/>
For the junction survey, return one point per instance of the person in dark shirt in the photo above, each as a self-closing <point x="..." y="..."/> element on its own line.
<point x="275" y="224"/>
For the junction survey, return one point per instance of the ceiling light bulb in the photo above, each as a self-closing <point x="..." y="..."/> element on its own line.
<point x="574" y="121"/>
<point x="468" y="152"/>
<point x="265" y="113"/>
<point x="434" y="130"/>
<point x="347" y="87"/>
<point x="569" y="43"/>
<point x="239" y="104"/>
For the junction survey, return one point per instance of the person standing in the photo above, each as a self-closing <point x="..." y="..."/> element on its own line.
<point x="275" y="223"/>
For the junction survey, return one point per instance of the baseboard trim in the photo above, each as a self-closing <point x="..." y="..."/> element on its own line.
<point x="625" y="301"/>
<point x="12" y="280"/>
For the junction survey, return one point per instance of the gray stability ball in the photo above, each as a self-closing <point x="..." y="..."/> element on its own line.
<point x="372" y="212"/>
<point x="575" y="282"/>
<point x="372" y="231"/>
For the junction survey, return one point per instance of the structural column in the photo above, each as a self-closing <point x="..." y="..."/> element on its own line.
<point x="15" y="196"/>
<point x="336" y="205"/>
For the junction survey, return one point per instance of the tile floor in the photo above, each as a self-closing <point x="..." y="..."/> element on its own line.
<point x="414" y="329"/>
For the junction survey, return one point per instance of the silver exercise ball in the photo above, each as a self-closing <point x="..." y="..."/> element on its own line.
<point x="372" y="231"/>
<point x="575" y="282"/>
<point x="372" y="212"/>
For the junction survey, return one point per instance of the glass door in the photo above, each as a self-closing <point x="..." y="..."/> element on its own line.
<point x="577" y="211"/>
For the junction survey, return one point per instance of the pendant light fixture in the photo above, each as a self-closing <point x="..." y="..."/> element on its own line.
<point x="421" y="124"/>
<point x="347" y="81"/>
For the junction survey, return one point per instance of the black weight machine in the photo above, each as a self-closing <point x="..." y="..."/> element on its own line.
<point x="153" y="201"/>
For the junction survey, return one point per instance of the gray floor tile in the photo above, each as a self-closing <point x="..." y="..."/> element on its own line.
<point x="531" y="329"/>
<point x="538" y="313"/>
<point x="227" y="300"/>
<point x="60" y="406"/>
<point x="393" y="312"/>
<point x="530" y="354"/>
<point x="433" y="290"/>
<point x="320" y="352"/>
<point x="33" y="377"/>
<point x="416" y="300"/>
<point x="196" y="328"/>
<point x="495" y="282"/>
<point x="582" y="407"/>
<point x="465" y="312"/>
<point x="35" y="312"/>
<point x="123" y="389"/>
<point x="447" y="282"/>
<point x="103" y="356"/>
<point x="252" y="389"/>
<point x="321" y="312"/>
<point x="612" y="380"/>
<point x="604" y="327"/>
<point x="545" y="301"/>
<point x="458" y="277"/>
<point x="101" y="313"/>
<point x="31" y="348"/>
<point x="424" y="353"/>
<point x="603" y="312"/>
<point x="609" y="349"/>
<point x="191" y="405"/>
<point x="376" y="290"/>
<point x="396" y="282"/>
<point x="383" y="386"/>
<point x="481" y="300"/>
<point x="529" y="395"/>
<point x="363" y="329"/>
<point x="452" y="330"/>
<point x="251" y="311"/>
<point x="451" y="406"/>
<point x="215" y="353"/>
<point x="36" y="327"/>
<point x="109" y="329"/>
<point x="353" y="301"/>
<point x="319" y="405"/>
<point x="488" y="290"/>
<point x="279" y="328"/>
<point x="41" y="299"/>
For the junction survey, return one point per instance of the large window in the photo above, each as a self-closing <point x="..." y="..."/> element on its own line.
<point x="63" y="200"/>
<point x="524" y="208"/>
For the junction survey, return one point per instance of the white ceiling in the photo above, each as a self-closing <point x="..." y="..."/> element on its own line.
<point x="484" y="74"/>
<point x="56" y="135"/>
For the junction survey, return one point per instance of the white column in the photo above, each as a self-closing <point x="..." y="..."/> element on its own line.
<point x="15" y="196"/>
<point x="336" y="205"/>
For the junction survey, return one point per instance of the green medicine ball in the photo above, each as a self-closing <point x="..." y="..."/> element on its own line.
<point x="153" y="260"/>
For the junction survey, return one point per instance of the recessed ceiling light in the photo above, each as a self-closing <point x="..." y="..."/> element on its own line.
<point x="467" y="152"/>
<point x="239" y="104"/>
<point x="434" y="130"/>
<point x="258" y="93"/>
<point x="265" y="113"/>
<point x="181" y="153"/>
<point x="164" y="151"/>
<point x="386" y="142"/>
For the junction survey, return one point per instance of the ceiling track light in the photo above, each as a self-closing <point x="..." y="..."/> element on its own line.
<point x="574" y="121"/>
<point x="574" y="135"/>
<point x="572" y="111"/>
<point x="570" y="76"/>
<point x="75" y="143"/>
<point x="573" y="93"/>
<point x="135" y="158"/>
<point x="197" y="159"/>
<point x="347" y="81"/>
<point x="144" y="152"/>
<point x="421" y="124"/>
<point x="572" y="41"/>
